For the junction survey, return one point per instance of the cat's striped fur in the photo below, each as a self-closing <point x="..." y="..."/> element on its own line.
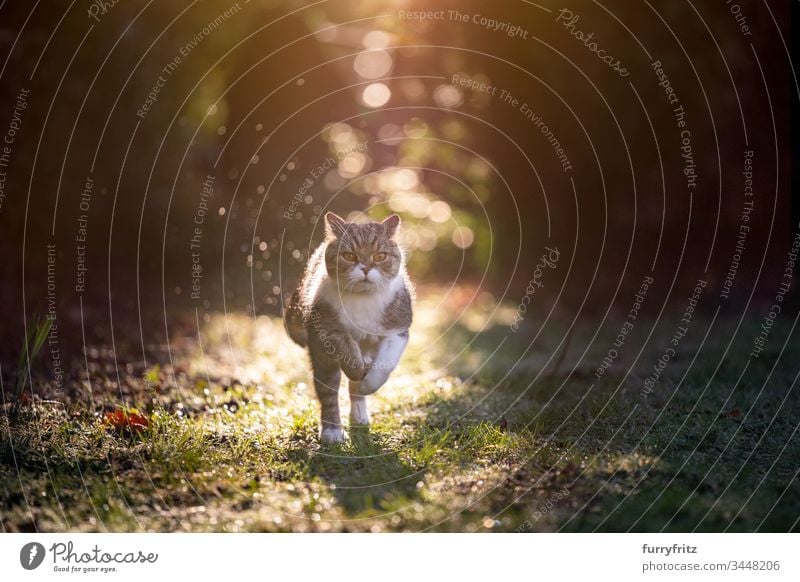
<point x="352" y="310"/>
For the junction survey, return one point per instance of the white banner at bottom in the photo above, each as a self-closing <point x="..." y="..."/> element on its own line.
<point x="389" y="557"/>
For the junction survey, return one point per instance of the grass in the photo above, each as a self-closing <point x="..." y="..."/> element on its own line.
<point x="38" y="329"/>
<point x="463" y="438"/>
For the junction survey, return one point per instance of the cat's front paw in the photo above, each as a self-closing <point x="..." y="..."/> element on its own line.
<point x="333" y="434"/>
<point x="359" y="413"/>
<point x="374" y="379"/>
<point x="358" y="369"/>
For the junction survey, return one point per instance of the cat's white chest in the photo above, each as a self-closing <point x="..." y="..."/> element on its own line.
<point x="361" y="313"/>
<point x="363" y="316"/>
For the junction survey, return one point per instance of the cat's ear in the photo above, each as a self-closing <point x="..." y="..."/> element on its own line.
<point x="390" y="225"/>
<point x="335" y="225"/>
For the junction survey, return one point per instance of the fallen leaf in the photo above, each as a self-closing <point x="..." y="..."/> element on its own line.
<point x="122" y="420"/>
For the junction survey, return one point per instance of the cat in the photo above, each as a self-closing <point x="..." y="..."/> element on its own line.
<point x="352" y="310"/>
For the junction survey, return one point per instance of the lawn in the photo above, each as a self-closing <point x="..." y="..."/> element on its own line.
<point x="474" y="432"/>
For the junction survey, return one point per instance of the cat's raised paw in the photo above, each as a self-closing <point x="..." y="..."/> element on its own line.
<point x="357" y="372"/>
<point x="333" y="435"/>
<point x="374" y="379"/>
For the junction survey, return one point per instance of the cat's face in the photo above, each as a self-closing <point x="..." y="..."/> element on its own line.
<point x="362" y="258"/>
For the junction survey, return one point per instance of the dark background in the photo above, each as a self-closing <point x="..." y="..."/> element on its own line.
<point x="86" y="86"/>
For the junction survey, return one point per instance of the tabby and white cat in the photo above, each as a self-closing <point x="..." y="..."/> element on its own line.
<point x="352" y="310"/>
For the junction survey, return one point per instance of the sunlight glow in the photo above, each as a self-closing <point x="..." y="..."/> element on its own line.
<point x="405" y="179"/>
<point x="440" y="211"/>
<point x="372" y="64"/>
<point x="463" y="237"/>
<point x="448" y="96"/>
<point x="340" y="133"/>
<point x="419" y="206"/>
<point x="376" y="39"/>
<point x="376" y="95"/>
<point x="352" y="165"/>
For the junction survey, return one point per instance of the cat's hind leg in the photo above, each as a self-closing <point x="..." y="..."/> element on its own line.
<point x="327" y="377"/>
<point x="385" y="361"/>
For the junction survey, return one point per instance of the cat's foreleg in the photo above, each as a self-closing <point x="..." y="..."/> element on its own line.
<point x="385" y="361"/>
<point x="327" y="377"/>
<point x="359" y="411"/>
<point x="327" y="341"/>
<point x="348" y="353"/>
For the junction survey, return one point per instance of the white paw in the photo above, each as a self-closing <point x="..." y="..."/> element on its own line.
<point x="359" y="413"/>
<point x="333" y="434"/>
<point x="374" y="379"/>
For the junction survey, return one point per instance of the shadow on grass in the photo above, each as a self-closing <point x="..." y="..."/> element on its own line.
<point x="366" y="477"/>
<point x="463" y="434"/>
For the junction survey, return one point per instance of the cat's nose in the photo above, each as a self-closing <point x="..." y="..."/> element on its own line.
<point x="365" y="268"/>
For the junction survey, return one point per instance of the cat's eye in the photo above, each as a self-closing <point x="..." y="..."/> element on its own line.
<point x="378" y="257"/>
<point x="350" y="257"/>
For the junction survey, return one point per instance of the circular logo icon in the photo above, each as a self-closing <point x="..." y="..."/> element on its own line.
<point x="31" y="555"/>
